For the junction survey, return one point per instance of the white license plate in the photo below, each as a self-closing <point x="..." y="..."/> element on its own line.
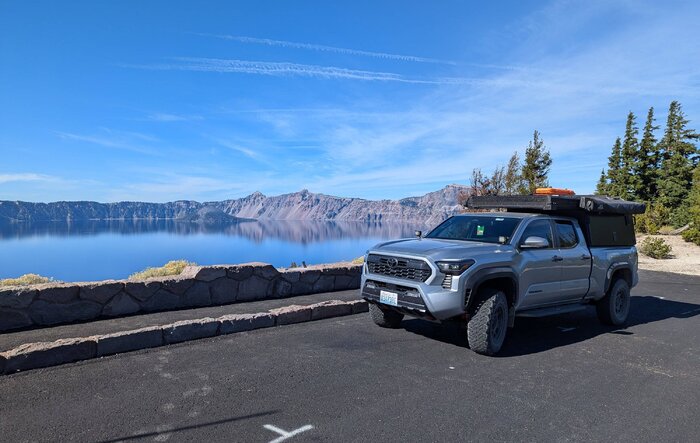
<point x="389" y="298"/>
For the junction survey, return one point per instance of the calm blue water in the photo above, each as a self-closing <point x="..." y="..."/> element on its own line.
<point x="98" y="250"/>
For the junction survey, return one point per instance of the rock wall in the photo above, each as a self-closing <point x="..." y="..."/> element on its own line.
<point x="197" y="286"/>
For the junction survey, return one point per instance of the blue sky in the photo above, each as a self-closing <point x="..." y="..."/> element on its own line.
<point x="167" y="100"/>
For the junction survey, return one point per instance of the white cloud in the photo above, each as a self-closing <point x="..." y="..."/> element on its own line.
<point x="238" y="148"/>
<point x="578" y="69"/>
<point x="129" y="141"/>
<point x="26" y="177"/>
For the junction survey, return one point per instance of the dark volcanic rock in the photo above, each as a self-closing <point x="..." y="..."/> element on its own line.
<point x="224" y="290"/>
<point x="45" y="313"/>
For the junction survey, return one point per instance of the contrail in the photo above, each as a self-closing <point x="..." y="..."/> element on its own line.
<point x="276" y="69"/>
<point x="334" y="49"/>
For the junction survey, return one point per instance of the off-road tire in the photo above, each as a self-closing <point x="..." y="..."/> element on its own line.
<point x="614" y="308"/>
<point x="487" y="327"/>
<point x="385" y="318"/>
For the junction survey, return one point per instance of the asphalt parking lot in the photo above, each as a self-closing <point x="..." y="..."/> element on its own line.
<point x="563" y="378"/>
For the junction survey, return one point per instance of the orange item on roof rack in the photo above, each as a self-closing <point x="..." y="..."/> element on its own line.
<point x="554" y="191"/>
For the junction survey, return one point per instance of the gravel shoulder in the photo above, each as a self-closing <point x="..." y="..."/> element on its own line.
<point x="685" y="260"/>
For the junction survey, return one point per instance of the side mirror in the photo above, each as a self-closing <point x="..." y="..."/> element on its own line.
<point x="419" y="234"/>
<point x="534" y="242"/>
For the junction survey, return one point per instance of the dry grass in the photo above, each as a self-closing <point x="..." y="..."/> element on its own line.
<point x="666" y="230"/>
<point x="26" y="280"/>
<point x="173" y="267"/>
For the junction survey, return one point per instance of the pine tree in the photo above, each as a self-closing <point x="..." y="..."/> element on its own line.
<point x="482" y="184"/>
<point x="693" y="234"/>
<point x="678" y="160"/>
<point x="627" y="180"/>
<point x="602" y="186"/>
<point x="615" y="169"/>
<point x="535" y="169"/>
<point x="513" y="180"/>
<point x="647" y="162"/>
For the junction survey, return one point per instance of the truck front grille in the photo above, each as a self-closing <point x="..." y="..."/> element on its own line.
<point x="398" y="267"/>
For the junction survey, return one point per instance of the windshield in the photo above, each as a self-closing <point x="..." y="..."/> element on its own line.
<point x="476" y="228"/>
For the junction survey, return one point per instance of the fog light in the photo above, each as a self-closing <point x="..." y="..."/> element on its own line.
<point x="413" y="294"/>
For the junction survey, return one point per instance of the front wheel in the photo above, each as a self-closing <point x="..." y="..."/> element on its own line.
<point x="385" y="318"/>
<point x="614" y="308"/>
<point x="486" y="330"/>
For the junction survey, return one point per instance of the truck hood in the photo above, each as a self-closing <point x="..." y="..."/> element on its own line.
<point x="438" y="249"/>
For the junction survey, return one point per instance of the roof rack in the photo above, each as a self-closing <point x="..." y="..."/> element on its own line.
<point x="593" y="204"/>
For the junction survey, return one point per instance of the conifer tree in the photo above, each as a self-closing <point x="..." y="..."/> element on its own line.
<point x="513" y="180"/>
<point x="627" y="179"/>
<point x="678" y="160"/>
<point x="647" y="162"/>
<point x="615" y="169"/>
<point x="602" y="186"/>
<point x="693" y="234"/>
<point x="535" y="169"/>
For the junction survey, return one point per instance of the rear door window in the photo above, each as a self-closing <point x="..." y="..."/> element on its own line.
<point x="566" y="234"/>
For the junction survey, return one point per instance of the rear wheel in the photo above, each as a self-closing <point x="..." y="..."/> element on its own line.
<point x="614" y="308"/>
<point x="385" y="318"/>
<point x="486" y="330"/>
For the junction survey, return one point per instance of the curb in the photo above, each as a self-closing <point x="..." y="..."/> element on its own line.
<point x="68" y="350"/>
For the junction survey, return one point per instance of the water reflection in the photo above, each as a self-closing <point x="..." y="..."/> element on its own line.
<point x="96" y="250"/>
<point x="303" y="232"/>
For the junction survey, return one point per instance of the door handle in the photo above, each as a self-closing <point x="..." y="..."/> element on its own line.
<point x="557" y="258"/>
<point x="585" y="257"/>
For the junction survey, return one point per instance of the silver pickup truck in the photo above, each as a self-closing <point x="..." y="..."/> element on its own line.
<point x="483" y="269"/>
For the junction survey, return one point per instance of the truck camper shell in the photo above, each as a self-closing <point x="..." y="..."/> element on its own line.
<point x="606" y="221"/>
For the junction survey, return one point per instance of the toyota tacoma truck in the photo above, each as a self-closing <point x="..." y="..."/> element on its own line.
<point x="538" y="255"/>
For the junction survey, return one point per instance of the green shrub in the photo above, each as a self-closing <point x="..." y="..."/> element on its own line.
<point x="655" y="247"/>
<point x="655" y="216"/>
<point x="681" y="216"/>
<point x="692" y="235"/>
<point x="173" y="267"/>
<point x="26" y="279"/>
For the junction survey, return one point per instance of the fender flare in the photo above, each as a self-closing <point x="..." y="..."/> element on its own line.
<point x="612" y="269"/>
<point x="484" y="275"/>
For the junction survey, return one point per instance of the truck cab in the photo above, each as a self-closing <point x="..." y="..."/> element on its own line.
<point x="484" y="269"/>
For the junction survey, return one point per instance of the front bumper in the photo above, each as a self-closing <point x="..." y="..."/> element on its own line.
<point x="415" y="298"/>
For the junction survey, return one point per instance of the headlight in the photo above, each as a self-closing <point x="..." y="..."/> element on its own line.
<point x="454" y="267"/>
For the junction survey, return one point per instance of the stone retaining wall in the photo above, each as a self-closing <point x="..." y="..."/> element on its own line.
<point x="197" y="286"/>
<point x="67" y="350"/>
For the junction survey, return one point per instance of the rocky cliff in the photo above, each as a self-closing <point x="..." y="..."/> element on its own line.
<point x="304" y="205"/>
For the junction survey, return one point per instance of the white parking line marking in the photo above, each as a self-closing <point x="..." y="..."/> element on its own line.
<point x="284" y="434"/>
<point x="566" y="329"/>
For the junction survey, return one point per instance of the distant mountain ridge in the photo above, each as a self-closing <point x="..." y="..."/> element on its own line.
<point x="430" y="208"/>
